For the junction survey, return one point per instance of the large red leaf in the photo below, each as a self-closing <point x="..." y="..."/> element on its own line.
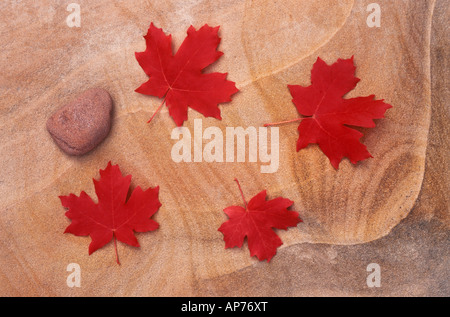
<point x="113" y="216"/>
<point x="327" y="115"/>
<point x="256" y="222"/>
<point x="179" y="78"/>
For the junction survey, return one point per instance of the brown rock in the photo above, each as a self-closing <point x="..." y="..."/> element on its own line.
<point x="84" y="123"/>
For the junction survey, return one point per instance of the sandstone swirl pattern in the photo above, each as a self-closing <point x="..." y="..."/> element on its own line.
<point x="267" y="45"/>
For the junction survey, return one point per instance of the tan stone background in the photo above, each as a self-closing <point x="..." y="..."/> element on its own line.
<point x="392" y="210"/>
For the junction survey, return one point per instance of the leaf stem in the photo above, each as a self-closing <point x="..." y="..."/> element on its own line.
<point x="115" y="247"/>
<point x="242" y="193"/>
<point x="157" y="110"/>
<point x="283" y="122"/>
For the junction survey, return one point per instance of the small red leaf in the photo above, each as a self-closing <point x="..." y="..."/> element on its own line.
<point x="113" y="216"/>
<point x="256" y="222"/>
<point x="179" y="78"/>
<point x="327" y="115"/>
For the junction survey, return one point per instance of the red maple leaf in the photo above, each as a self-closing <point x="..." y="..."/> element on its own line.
<point x="179" y="78"/>
<point x="113" y="216"/>
<point x="328" y="115"/>
<point x="256" y="222"/>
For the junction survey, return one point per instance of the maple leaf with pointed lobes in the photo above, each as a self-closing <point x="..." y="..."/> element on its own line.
<point x="113" y="216"/>
<point x="179" y="78"/>
<point x="328" y="115"/>
<point x="256" y="222"/>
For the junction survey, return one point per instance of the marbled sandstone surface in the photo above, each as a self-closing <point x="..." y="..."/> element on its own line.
<point x="392" y="209"/>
